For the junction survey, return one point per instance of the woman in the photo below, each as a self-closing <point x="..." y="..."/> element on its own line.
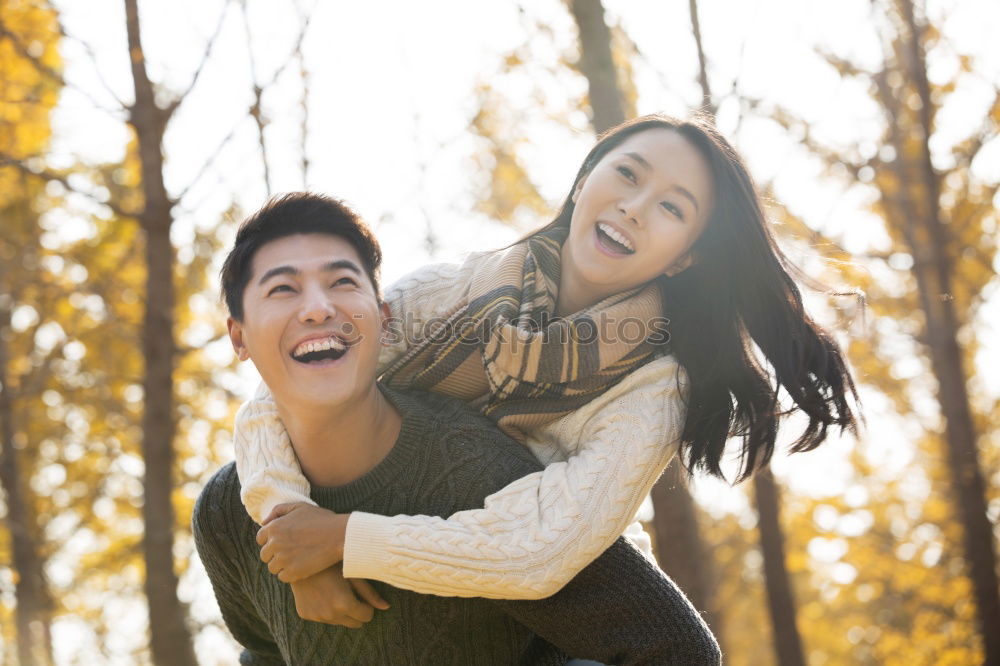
<point x="609" y="340"/>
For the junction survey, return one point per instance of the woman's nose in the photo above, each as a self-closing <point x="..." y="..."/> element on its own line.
<point x="629" y="209"/>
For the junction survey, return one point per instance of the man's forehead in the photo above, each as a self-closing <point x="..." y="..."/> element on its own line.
<point x="305" y="253"/>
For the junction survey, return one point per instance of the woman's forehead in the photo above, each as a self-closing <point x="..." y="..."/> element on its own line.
<point x="668" y="154"/>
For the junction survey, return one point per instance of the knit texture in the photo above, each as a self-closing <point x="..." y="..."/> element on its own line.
<point x="503" y="346"/>
<point x="535" y="534"/>
<point x="620" y="609"/>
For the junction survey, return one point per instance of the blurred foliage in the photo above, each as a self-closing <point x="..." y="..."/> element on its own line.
<point x="878" y="570"/>
<point x="73" y="278"/>
<point x="27" y="95"/>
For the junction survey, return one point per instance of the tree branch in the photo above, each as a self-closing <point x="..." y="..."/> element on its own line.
<point x="172" y="107"/>
<point x="48" y="72"/>
<point x="52" y="176"/>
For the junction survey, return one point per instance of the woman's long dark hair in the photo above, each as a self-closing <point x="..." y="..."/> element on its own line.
<point x="738" y="294"/>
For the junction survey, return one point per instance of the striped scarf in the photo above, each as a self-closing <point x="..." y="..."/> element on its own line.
<point x="502" y="349"/>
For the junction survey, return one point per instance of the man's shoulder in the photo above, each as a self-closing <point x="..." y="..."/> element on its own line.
<point x="219" y="501"/>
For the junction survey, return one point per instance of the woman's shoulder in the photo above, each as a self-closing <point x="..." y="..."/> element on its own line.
<point x="642" y="392"/>
<point x="438" y="273"/>
<point x="663" y="373"/>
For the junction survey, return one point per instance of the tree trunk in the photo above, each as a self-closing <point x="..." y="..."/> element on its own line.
<point x="680" y="549"/>
<point x="707" y="104"/>
<point x="170" y="637"/>
<point x="34" y="606"/>
<point x="930" y="247"/>
<point x="679" y="546"/>
<point x="606" y="107"/>
<point x="780" y="599"/>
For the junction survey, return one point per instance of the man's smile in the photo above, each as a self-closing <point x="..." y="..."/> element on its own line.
<point x="316" y="350"/>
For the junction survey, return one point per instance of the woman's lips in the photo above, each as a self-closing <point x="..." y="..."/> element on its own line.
<point x="607" y="247"/>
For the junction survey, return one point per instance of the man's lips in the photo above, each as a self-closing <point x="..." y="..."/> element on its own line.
<point x="330" y="347"/>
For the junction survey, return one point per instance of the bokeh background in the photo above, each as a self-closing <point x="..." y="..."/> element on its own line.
<point x="133" y="140"/>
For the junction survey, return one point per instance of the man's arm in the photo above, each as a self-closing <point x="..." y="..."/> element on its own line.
<point x="217" y="549"/>
<point x="621" y="609"/>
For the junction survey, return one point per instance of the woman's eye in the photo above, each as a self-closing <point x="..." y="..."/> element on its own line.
<point x="628" y="173"/>
<point x="670" y="208"/>
<point x="280" y="287"/>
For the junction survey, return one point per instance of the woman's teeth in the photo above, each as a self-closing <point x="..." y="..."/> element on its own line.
<point x="618" y="238"/>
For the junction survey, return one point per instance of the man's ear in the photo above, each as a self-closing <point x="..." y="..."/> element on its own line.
<point x="236" y="337"/>
<point x="682" y="264"/>
<point x="384" y="314"/>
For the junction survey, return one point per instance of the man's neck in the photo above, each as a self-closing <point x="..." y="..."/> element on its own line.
<point x="336" y="445"/>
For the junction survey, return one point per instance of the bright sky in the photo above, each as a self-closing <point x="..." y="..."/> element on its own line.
<point x="392" y="92"/>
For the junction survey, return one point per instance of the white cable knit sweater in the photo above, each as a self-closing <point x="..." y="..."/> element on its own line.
<point x="531" y="537"/>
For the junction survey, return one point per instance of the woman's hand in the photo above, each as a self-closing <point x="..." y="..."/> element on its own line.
<point x="330" y="598"/>
<point x="300" y="540"/>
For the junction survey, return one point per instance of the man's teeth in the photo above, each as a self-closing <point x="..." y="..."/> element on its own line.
<point x="614" y="235"/>
<point x="319" y="345"/>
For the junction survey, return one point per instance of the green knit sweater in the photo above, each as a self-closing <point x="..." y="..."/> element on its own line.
<point x="619" y="609"/>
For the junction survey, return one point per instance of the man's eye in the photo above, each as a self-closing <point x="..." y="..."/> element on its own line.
<point x="344" y="280"/>
<point x="280" y="287"/>
<point x="628" y="173"/>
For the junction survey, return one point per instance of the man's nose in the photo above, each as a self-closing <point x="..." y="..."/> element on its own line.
<point x="316" y="307"/>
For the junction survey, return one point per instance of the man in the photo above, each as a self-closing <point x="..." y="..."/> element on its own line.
<point x="301" y="283"/>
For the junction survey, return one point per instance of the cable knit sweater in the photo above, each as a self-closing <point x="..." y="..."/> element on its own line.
<point x="620" y="609"/>
<point x="532" y="536"/>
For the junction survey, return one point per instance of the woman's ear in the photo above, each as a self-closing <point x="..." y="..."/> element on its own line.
<point x="682" y="264"/>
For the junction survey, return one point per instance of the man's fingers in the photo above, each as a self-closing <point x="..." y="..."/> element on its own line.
<point x="262" y="536"/>
<point x="281" y="510"/>
<point x="290" y="575"/>
<point x="361" y="612"/>
<point x="267" y="553"/>
<point x="368" y="593"/>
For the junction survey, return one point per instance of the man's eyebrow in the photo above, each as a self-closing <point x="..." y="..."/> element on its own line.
<point x="327" y="268"/>
<point x="277" y="270"/>
<point x="683" y="190"/>
<point x="341" y="263"/>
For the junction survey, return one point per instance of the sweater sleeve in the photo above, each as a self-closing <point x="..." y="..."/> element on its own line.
<point x="215" y="540"/>
<point x="265" y="460"/>
<point x="538" y="532"/>
<point x="269" y="472"/>
<point x="621" y="609"/>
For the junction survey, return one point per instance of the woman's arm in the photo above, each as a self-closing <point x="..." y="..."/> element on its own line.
<point x="536" y="534"/>
<point x="265" y="461"/>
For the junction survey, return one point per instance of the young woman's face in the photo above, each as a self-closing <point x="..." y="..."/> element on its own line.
<point x="637" y="214"/>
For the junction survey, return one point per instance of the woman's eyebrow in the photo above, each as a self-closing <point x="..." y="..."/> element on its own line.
<point x="683" y="190"/>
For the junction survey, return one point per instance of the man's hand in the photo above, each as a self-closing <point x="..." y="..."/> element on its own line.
<point x="300" y="540"/>
<point x="330" y="598"/>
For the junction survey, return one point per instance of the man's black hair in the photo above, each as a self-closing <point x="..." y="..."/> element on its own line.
<point x="287" y="215"/>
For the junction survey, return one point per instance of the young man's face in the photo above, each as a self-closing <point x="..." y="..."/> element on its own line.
<point x="312" y="323"/>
